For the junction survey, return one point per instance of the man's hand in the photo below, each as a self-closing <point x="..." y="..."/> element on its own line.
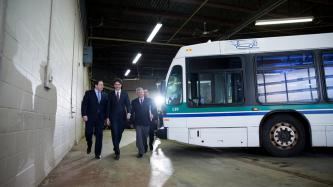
<point x="151" y="116"/>
<point x="108" y="121"/>
<point x="128" y="116"/>
<point x="85" y="118"/>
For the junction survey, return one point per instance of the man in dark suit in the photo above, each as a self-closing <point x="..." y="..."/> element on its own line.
<point x="153" y="125"/>
<point x="141" y="116"/>
<point x="118" y="110"/>
<point x="93" y="110"/>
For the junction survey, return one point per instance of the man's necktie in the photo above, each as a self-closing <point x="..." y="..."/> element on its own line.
<point x="150" y="114"/>
<point x="117" y="94"/>
<point x="99" y="97"/>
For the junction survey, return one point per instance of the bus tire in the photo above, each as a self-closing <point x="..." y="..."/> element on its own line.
<point x="283" y="135"/>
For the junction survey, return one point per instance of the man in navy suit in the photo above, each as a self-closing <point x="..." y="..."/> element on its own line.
<point x="153" y="125"/>
<point x="118" y="110"/>
<point x="142" y="117"/>
<point x="93" y="110"/>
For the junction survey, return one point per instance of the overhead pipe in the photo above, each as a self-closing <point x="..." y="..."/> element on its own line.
<point x="134" y="41"/>
<point x="188" y="19"/>
<point x="259" y="14"/>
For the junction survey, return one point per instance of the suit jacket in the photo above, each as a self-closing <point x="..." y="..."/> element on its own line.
<point x="91" y="108"/>
<point x="140" y="114"/>
<point x="117" y="109"/>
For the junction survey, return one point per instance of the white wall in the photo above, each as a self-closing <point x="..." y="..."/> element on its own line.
<point x="37" y="127"/>
<point x="131" y="85"/>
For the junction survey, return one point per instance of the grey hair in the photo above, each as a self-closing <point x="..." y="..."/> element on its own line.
<point x="139" y="89"/>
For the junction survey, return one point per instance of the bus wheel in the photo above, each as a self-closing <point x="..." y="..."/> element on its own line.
<point x="283" y="135"/>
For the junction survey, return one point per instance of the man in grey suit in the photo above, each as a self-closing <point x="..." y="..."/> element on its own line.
<point x="141" y="116"/>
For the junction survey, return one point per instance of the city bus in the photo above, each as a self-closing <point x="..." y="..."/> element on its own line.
<point x="274" y="92"/>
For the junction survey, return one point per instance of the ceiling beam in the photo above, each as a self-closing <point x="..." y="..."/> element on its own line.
<point x="112" y="55"/>
<point x="133" y="41"/>
<point x="219" y="5"/>
<point x="187" y="20"/>
<point x="135" y="12"/>
<point x="324" y="2"/>
<point x="137" y="26"/>
<point x="118" y="61"/>
<point x="135" y="34"/>
<point x="133" y="68"/>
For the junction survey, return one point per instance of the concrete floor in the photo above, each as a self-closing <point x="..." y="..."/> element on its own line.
<point x="174" y="164"/>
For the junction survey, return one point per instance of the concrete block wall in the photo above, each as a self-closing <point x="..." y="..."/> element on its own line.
<point x="39" y="126"/>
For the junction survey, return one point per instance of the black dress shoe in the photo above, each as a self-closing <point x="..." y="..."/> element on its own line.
<point x="88" y="150"/>
<point x="98" y="157"/>
<point x="117" y="157"/>
<point x="139" y="156"/>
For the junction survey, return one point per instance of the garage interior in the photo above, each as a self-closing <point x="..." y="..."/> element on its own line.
<point x="44" y="74"/>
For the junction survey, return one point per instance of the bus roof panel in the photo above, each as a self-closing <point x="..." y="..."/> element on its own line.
<point x="258" y="45"/>
<point x="276" y="44"/>
<point x="203" y="49"/>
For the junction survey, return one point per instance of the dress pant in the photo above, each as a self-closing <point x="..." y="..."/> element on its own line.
<point x="117" y="129"/>
<point x="152" y="128"/>
<point x="142" y="133"/>
<point x="95" y="126"/>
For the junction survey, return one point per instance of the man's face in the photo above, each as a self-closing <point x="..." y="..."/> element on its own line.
<point x="140" y="93"/>
<point x="99" y="86"/>
<point x="117" y="85"/>
<point x="146" y="92"/>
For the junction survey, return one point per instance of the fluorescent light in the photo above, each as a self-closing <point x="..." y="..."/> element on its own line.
<point x="284" y="21"/>
<point x="127" y="72"/>
<point x="137" y="57"/>
<point x="154" y="32"/>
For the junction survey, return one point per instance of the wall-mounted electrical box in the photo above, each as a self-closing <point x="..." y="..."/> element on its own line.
<point x="87" y="55"/>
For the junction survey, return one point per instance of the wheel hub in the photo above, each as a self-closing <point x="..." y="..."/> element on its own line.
<point x="283" y="135"/>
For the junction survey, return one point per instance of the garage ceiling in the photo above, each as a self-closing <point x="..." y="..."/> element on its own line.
<point x="117" y="29"/>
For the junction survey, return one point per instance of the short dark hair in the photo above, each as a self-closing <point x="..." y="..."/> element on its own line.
<point x="97" y="81"/>
<point x="118" y="80"/>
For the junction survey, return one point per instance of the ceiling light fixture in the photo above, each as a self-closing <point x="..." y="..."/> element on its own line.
<point x="154" y="32"/>
<point x="127" y="72"/>
<point x="283" y="21"/>
<point x="137" y="57"/>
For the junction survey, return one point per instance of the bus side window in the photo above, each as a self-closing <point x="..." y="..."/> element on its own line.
<point x="286" y="78"/>
<point x="192" y="90"/>
<point x="215" y="81"/>
<point x="328" y="71"/>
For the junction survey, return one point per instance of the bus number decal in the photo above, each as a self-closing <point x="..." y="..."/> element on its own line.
<point x="175" y="109"/>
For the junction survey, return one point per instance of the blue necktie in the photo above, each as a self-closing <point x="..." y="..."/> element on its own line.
<point x="99" y="97"/>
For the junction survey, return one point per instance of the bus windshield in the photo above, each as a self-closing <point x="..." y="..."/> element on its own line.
<point x="174" y="89"/>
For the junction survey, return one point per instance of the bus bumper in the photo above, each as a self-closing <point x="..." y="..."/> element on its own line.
<point x="162" y="133"/>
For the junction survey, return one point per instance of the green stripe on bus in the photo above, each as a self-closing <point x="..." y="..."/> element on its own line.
<point x="183" y="108"/>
